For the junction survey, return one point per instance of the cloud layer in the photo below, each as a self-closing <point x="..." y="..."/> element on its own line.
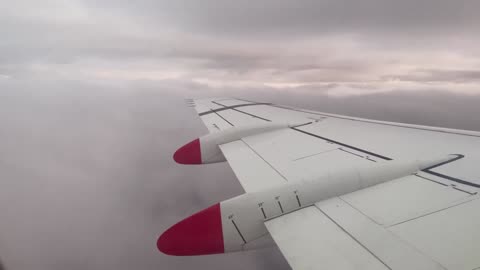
<point x="352" y="47"/>
<point x="88" y="181"/>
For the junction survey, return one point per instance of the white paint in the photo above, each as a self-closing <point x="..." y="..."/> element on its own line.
<point x="253" y="173"/>
<point x="403" y="199"/>
<point x="387" y="247"/>
<point x="246" y="210"/>
<point x="332" y="249"/>
<point x="450" y="236"/>
<point x="209" y="144"/>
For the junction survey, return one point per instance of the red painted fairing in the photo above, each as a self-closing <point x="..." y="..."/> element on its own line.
<point x="189" y="153"/>
<point x="199" y="234"/>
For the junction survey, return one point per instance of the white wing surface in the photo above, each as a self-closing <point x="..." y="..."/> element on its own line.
<point x="429" y="220"/>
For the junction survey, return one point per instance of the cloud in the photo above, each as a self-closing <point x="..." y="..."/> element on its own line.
<point x="308" y="17"/>
<point x="236" y="44"/>
<point x="89" y="181"/>
<point x="438" y="75"/>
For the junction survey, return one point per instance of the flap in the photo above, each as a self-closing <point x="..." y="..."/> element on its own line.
<point x="333" y="235"/>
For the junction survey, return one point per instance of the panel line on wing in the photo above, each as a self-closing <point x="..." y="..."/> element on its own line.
<point x="431" y="180"/>
<point x="459" y="156"/>
<point x="358" y="210"/>
<point x="443" y="184"/>
<point x="464" y="191"/>
<point x="377" y="122"/>
<point x="451" y="178"/>
<point x="458" y="203"/>
<point x="252" y="115"/>
<point x="229" y="107"/>
<point x="223" y="118"/>
<point x="342" y="144"/>
<point x="316" y="154"/>
<point x="343" y="150"/>
<point x="234" y="108"/>
<point x="256" y="153"/>
<point x="351" y="236"/>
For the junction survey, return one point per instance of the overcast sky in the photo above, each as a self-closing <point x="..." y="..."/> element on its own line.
<point x="342" y="47"/>
<point x="91" y="107"/>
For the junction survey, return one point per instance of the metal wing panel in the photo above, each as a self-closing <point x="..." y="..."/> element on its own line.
<point x="333" y="235"/>
<point x="403" y="199"/>
<point x="251" y="170"/>
<point x="450" y="236"/>
<point x="207" y="112"/>
<point x="310" y="240"/>
<point x="221" y="113"/>
<point x="215" y="123"/>
<point x="389" y="140"/>
<point x="298" y="157"/>
<point x="387" y="247"/>
<point x="239" y="119"/>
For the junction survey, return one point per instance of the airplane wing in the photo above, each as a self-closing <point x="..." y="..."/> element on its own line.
<point x="424" y="220"/>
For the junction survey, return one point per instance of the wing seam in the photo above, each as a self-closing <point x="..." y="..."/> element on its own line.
<point x="222" y="118"/>
<point x="234" y="108"/>
<point x="377" y="122"/>
<point x="386" y="229"/>
<point x="358" y="210"/>
<point x="454" y="204"/>
<point x="256" y="153"/>
<point x="342" y="144"/>
<point x="229" y="107"/>
<point x="356" y="240"/>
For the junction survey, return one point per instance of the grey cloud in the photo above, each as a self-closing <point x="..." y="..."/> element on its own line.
<point x="88" y="178"/>
<point x="280" y="42"/>
<point x="438" y="75"/>
<point x="305" y="17"/>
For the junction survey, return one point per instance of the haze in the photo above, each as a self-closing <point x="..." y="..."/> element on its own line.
<point x="91" y="107"/>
